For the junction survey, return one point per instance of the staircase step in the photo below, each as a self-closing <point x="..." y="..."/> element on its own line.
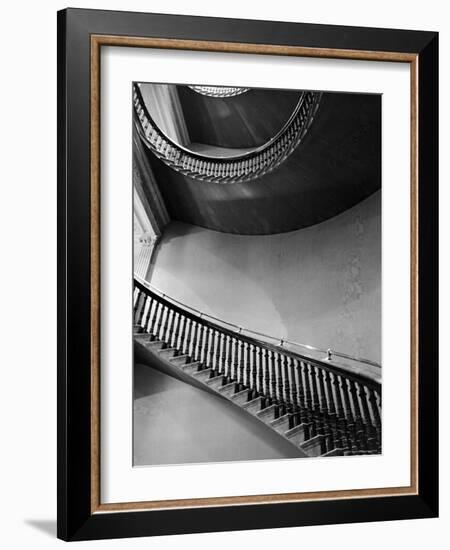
<point x="253" y="406"/>
<point x="267" y="414"/>
<point x="228" y="390"/>
<point x="167" y="353"/>
<point x="179" y="359"/>
<point x="335" y="452"/>
<point x="313" y="447"/>
<point x="240" y="397"/>
<point x="203" y="374"/>
<point x="191" y="368"/>
<point x="142" y="336"/>
<point x="281" y="424"/>
<point x="216" y="382"/>
<point x="298" y="434"/>
<point x="153" y="344"/>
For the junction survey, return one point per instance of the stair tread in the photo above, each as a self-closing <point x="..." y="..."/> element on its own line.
<point x="267" y="411"/>
<point x="203" y="371"/>
<point x="214" y="379"/>
<point x="227" y="387"/>
<point x="240" y="393"/>
<point x="296" y="429"/>
<point x="151" y="345"/>
<point x="312" y="441"/>
<point x="192" y="364"/>
<point x="251" y="403"/>
<point x="280" y="420"/>
<point x="180" y="357"/>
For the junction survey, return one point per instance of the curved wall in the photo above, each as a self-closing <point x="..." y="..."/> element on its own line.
<point x="176" y="423"/>
<point x="320" y="285"/>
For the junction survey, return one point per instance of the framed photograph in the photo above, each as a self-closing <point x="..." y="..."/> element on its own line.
<point x="247" y="255"/>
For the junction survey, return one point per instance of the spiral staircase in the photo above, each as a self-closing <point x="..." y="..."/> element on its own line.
<point x="291" y="159"/>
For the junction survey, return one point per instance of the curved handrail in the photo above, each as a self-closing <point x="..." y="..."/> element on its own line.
<point x="218" y="91"/>
<point x="239" y="168"/>
<point x="237" y="331"/>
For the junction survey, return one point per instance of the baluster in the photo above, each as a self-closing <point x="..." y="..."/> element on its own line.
<point x="287" y="389"/>
<point x="265" y="354"/>
<point x="341" y="425"/>
<point x="206" y="356"/>
<point x="303" y="416"/>
<point x="165" y="323"/>
<point x="176" y="331"/>
<point x="318" y="404"/>
<point x="204" y="346"/>
<point x="331" y="408"/>
<point x="182" y="332"/>
<point x="236" y="377"/>
<point x="324" y="411"/>
<point x="261" y="375"/>
<point x="309" y="400"/>
<point x="361" y="436"/>
<point x="294" y="391"/>
<point x="211" y="348"/>
<point x="279" y="375"/>
<point x="169" y="335"/>
<point x="136" y="293"/>
<point x="194" y="341"/>
<point x="241" y="365"/>
<point x="351" y="427"/>
<point x="223" y="354"/>
<point x="254" y="372"/>
<point x="158" y="320"/>
<point x="248" y="381"/>
<point x="145" y="319"/>
<point x="273" y="381"/>
<point x="138" y="311"/>
<point x="305" y="413"/>
<point x="229" y="359"/>
<point x="376" y="416"/>
<point x="342" y="420"/>
<point x="186" y="333"/>
<point x="198" y="344"/>
<point x="152" y="322"/>
<point x="366" y="420"/>
<point x="217" y="352"/>
<point x="225" y="363"/>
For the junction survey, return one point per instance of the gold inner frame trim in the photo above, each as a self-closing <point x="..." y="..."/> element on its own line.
<point x="97" y="41"/>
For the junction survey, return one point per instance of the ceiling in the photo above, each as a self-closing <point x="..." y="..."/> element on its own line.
<point x="242" y="121"/>
<point x="337" y="164"/>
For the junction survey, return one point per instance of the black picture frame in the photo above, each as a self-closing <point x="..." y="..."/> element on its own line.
<point x="77" y="517"/>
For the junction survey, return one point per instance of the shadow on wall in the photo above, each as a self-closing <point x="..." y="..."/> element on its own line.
<point x="320" y="285"/>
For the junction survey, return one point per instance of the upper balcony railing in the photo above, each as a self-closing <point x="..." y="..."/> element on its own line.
<point x="218" y="91"/>
<point x="230" y="169"/>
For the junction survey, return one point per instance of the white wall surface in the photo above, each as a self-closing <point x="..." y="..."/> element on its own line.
<point x="320" y="285"/>
<point x="28" y="275"/>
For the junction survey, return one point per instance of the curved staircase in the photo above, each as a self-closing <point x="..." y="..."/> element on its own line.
<point x="321" y="408"/>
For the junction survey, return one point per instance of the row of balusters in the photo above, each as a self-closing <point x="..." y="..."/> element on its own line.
<point x="344" y="411"/>
<point x="226" y="169"/>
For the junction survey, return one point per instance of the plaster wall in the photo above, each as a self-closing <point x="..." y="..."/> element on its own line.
<point x="320" y="285"/>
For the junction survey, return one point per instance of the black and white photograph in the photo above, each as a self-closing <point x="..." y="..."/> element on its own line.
<point x="257" y="274"/>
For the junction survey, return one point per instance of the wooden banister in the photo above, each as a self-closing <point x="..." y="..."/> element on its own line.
<point x="231" y="169"/>
<point x="342" y="408"/>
